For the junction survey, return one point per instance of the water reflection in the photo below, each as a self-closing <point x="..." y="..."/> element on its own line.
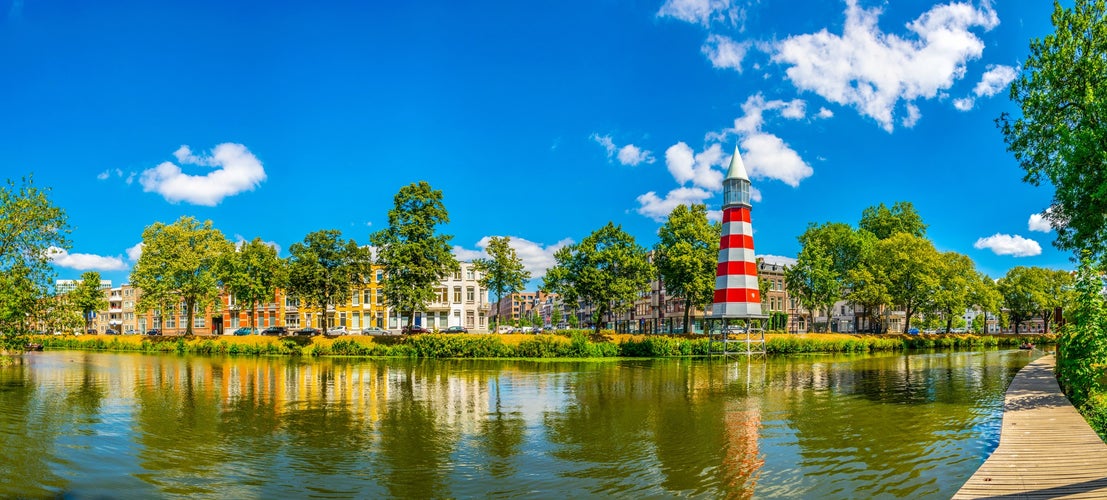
<point x="98" y="424"/>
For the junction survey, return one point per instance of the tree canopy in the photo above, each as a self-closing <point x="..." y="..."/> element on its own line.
<point x="178" y="265"/>
<point x="324" y="268"/>
<point x="414" y="255"/>
<point x="503" y="272"/>
<point x="686" y="256"/>
<point x="607" y="269"/>
<point x="884" y="222"/>
<point x="87" y="297"/>
<point x="252" y="273"/>
<point x="1061" y="136"/>
<point x="31" y="230"/>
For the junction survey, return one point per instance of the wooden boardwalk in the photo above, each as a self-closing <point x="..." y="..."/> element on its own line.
<point x="1046" y="449"/>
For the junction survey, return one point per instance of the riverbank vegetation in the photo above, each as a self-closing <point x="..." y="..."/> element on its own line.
<point x="575" y="344"/>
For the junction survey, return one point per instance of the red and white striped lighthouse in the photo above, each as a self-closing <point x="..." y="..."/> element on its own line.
<point x="736" y="292"/>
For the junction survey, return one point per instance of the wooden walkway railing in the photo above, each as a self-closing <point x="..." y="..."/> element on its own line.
<point x="1046" y="449"/>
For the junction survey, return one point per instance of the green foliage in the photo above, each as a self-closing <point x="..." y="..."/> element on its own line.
<point x="686" y="256"/>
<point x="1059" y="135"/>
<point x="883" y="222"/>
<point x="1024" y="291"/>
<point x="503" y="272"/>
<point x="607" y="269"/>
<point x="252" y="273"/>
<point x="415" y="257"/>
<point x="178" y="265"/>
<point x="324" y="268"/>
<point x="31" y="228"/>
<point x="87" y="297"/>
<point x="1082" y="346"/>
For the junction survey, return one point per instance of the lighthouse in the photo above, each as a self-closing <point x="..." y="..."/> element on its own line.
<point x="737" y="295"/>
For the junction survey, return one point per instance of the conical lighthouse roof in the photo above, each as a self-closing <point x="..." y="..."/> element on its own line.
<point x="737" y="169"/>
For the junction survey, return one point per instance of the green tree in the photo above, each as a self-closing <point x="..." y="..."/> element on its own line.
<point x="985" y="295"/>
<point x="178" y="265"/>
<point x="953" y="293"/>
<point x="556" y="316"/>
<point x="252" y="273"/>
<point x="607" y="269"/>
<point x="324" y="268"/>
<point x="812" y="279"/>
<point x="31" y="228"/>
<point x="87" y="297"/>
<point x="1081" y="348"/>
<point x="686" y="256"/>
<point x="907" y="264"/>
<point x="414" y="257"/>
<point x="1057" y="293"/>
<point x="1022" y="290"/>
<point x="1060" y="135"/>
<point x="883" y="222"/>
<point x="503" y="272"/>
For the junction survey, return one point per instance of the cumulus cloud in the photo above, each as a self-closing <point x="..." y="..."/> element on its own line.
<point x="824" y="113"/>
<point x="997" y="78"/>
<point x="766" y="155"/>
<point x="964" y="103"/>
<point x="236" y="170"/>
<point x="85" y="261"/>
<point x="537" y="258"/>
<point x="724" y="53"/>
<point x="1006" y="244"/>
<point x="687" y="166"/>
<point x="657" y="208"/>
<point x="1040" y="222"/>
<point x="703" y="12"/>
<point x="872" y="71"/>
<point x="134" y="252"/>
<point x="629" y="155"/>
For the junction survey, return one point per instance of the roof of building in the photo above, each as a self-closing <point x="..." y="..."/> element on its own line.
<point x="737" y="169"/>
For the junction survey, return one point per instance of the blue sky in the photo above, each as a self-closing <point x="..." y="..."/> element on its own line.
<point x="538" y="120"/>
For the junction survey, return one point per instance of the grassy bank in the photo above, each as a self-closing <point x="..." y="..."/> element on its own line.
<point x="577" y="344"/>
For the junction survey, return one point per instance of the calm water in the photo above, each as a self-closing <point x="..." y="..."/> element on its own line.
<point x="95" y="425"/>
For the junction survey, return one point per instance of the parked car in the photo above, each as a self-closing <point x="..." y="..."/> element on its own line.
<point x="457" y="329"/>
<point x="91" y="331"/>
<point x="153" y="331"/>
<point x="109" y="331"/>
<point x="275" y="330"/>
<point x="913" y="331"/>
<point x="372" y="330"/>
<point x="308" y="331"/>
<point x="414" y="329"/>
<point x="337" y="330"/>
<point x="244" y="331"/>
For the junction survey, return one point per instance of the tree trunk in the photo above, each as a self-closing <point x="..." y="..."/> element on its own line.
<point x="687" y="314"/>
<point x="190" y="306"/>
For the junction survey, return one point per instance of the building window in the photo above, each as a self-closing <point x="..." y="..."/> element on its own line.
<point x="367" y="296"/>
<point x="342" y="319"/>
<point x="380" y="276"/>
<point x="470" y="295"/>
<point x="198" y="322"/>
<point x="356" y="298"/>
<point x="457" y="294"/>
<point x="469" y="274"/>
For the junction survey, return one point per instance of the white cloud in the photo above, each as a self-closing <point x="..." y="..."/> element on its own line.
<point x="994" y="80"/>
<point x="697" y="168"/>
<point x="767" y="156"/>
<point x="873" y="71"/>
<point x="1039" y="222"/>
<point x="964" y="104"/>
<point x="134" y="252"/>
<point x="824" y="113"/>
<point x="1006" y="244"/>
<point x="703" y="12"/>
<point x="536" y="257"/>
<point x="777" y="259"/>
<point x="912" y="117"/>
<point x="658" y="208"/>
<point x="631" y="155"/>
<point x="724" y="53"/>
<point x="238" y="171"/>
<point x="85" y="261"/>
<point x="104" y="175"/>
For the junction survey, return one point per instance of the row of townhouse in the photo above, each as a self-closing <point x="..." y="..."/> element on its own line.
<point x="459" y="301"/>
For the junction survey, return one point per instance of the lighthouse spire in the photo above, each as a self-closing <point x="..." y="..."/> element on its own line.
<point x="736" y="292"/>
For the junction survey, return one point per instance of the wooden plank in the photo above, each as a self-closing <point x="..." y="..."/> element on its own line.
<point x="1046" y="449"/>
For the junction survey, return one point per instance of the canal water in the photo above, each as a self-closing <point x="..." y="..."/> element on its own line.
<point x="110" y="425"/>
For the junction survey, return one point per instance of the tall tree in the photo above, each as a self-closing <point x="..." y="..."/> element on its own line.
<point x="324" y="268"/>
<point x="1061" y="133"/>
<point x="252" y="273"/>
<point x="686" y="256"/>
<point x="812" y="280"/>
<point x="607" y="269"/>
<point x="1022" y="290"/>
<point x="87" y="297"/>
<point x="414" y="256"/>
<point x="31" y="229"/>
<point x="908" y="263"/>
<point x="178" y="265"/>
<point x="1058" y="293"/>
<point x="953" y="292"/>
<point x="985" y="295"/>
<point x="503" y="272"/>
<point x="884" y="222"/>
